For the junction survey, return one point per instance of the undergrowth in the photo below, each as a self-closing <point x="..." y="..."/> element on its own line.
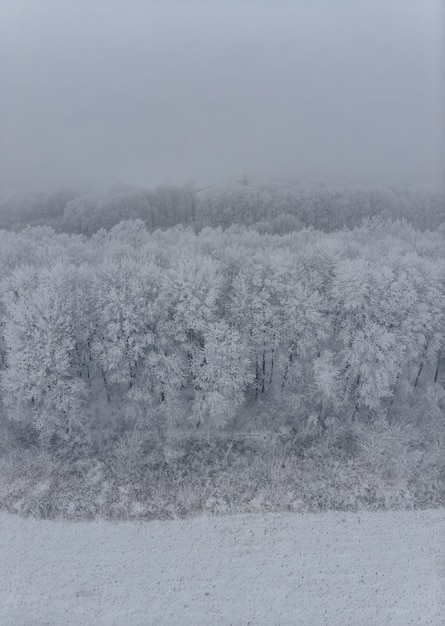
<point x="141" y="476"/>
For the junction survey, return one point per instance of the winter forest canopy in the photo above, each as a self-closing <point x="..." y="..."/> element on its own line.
<point x="241" y="309"/>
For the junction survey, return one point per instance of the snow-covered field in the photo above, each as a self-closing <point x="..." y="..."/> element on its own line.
<point x="330" y="568"/>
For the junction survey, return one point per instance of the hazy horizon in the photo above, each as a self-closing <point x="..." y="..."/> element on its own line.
<point x="154" y="93"/>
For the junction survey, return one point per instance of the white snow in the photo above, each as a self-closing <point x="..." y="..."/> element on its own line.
<point x="288" y="569"/>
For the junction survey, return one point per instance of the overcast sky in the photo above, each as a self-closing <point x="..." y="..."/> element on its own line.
<point x="153" y="92"/>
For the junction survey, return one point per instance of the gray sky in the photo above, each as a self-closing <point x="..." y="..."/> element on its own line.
<point x="97" y="91"/>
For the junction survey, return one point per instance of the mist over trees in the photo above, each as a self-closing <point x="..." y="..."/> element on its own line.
<point x="275" y="208"/>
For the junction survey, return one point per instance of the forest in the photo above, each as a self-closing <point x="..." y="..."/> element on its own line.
<point x="238" y="348"/>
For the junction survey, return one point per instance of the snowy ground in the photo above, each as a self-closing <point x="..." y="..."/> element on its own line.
<point x="331" y="568"/>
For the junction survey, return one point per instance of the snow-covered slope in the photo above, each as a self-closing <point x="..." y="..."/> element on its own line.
<point x="331" y="568"/>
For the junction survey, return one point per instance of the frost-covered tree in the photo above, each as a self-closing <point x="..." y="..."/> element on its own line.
<point x="40" y="381"/>
<point x="220" y="371"/>
<point x="127" y="311"/>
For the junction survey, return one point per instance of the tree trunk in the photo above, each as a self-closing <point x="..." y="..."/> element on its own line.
<point x="263" y="372"/>
<point x="271" y="368"/>
<point x="437" y="368"/>
<point x="418" y="375"/>
<point x="105" y="385"/>
<point x="286" y="371"/>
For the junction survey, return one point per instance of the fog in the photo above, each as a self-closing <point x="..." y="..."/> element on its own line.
<point x="99" y="91"/>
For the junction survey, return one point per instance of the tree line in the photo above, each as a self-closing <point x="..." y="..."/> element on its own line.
<point x="270" y="208"/>
<point x="177" y="329"/>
